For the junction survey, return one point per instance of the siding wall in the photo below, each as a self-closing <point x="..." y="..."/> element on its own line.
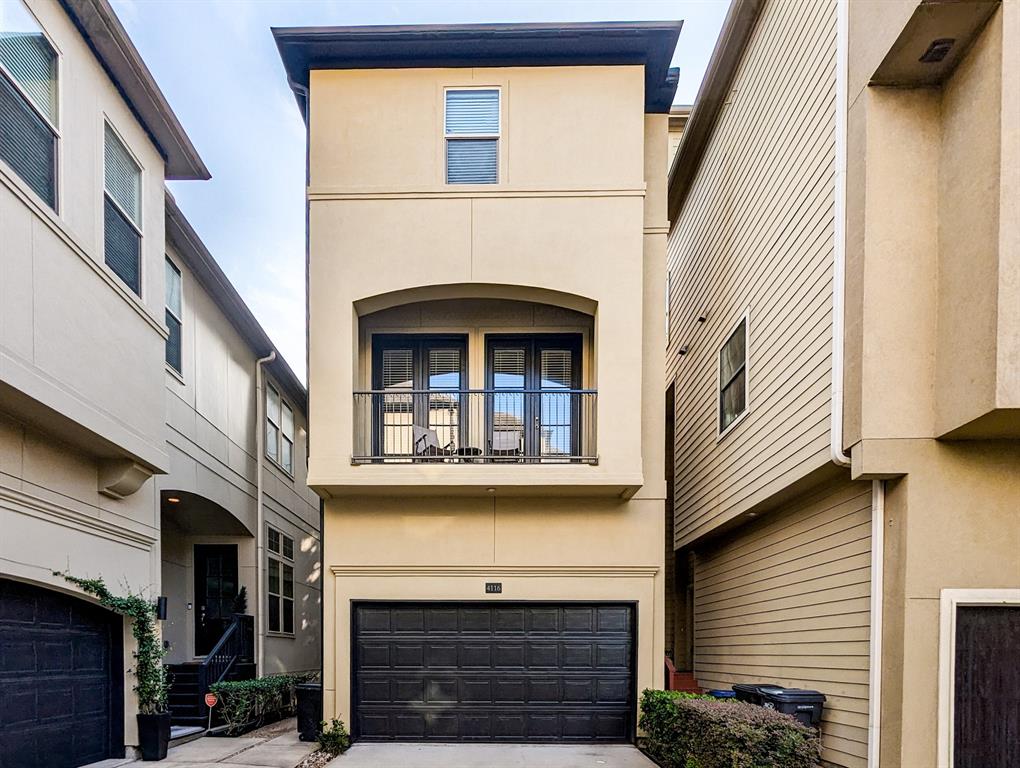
<point x="787" y="600"/>
<point x="756" y="235"/>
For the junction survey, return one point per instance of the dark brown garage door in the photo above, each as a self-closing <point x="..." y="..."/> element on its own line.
<point x="59" y="659"/>
<point x="493" y="672"/>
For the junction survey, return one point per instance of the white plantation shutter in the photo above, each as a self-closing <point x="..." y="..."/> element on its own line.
<point x="472" y="136"/>
<point x="557" y="368"/>
<point x="28" y="57"/>
<point x="123" y="177"/>
<point x="397" y="369"/>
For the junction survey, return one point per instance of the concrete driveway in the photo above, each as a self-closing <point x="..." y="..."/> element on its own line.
<point x="491" y="756"/>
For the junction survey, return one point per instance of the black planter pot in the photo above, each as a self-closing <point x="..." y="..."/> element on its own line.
<point x="153" y="735"/>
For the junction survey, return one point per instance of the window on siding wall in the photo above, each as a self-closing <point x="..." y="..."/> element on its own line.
<point x="733" y="377"/>
<point x="173" y="316"/>
<point x="122" y="212"/>
<point x="472" y="136"/>
<point x="28" y="100"/>
<point x="280" y="573"/>
<point x="279" y="430"/>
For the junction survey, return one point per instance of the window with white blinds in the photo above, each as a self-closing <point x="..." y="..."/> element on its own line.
<point x="733" y="377"/>
<point x="122" y="201"/>
<point x="28" y="100"/>
<point x="173" y="316"/>
<point x="279" y="430"/>
<point x="472" y="126"/>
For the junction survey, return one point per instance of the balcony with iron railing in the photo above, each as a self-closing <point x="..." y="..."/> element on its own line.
<point x="480" y="426"/>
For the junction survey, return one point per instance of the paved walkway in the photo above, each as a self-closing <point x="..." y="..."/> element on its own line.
<point x="491" y="756"/>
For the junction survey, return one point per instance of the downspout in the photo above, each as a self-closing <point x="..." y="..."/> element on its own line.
<point x="839" y="239"/>
<point x="260" y="512"/>
<point x="875" y="644"/>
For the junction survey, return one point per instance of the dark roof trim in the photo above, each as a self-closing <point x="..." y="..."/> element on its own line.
<point x="102" y="30"/>
<point x="196" y="256"/>
<point x="650" y="43"/>
<point x="715" y="87"/>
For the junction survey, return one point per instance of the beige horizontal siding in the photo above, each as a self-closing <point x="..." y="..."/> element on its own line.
<point x="786" y="599"/>
<point x="756" y="235"/>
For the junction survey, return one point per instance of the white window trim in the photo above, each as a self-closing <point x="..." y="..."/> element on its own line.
<point x="58" y="202"/>
<point x="180" y="319"/>
<point x="746" y="320"/>
<point x="282" y="560"/>
<point x="278" y="461"/>
<point x="950" y="600"/>
<point x="498" y="136"/>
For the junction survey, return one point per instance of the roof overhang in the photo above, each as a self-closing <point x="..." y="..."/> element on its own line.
<point x="181" y="236"/>
<point x="648" y="43"/>
<point x="715" y="86"/>
<point x="102" y="30"/>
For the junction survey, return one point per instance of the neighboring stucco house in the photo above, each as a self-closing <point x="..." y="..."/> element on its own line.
<point x="842" y="373"/>
<point x="486" y="283"/>
<point x="127" y="380"/>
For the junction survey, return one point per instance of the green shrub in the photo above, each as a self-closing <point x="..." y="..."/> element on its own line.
<point x="695" y="732"/>
<point x="334" y="739"/>
<point x="250" y="701"/>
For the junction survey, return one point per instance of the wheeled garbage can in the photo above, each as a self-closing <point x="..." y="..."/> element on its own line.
<point x="803" y="704"/>
<point x="309" y="710"/>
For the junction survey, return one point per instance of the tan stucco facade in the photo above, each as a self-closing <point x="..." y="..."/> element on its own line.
<point x="571" y="239"/>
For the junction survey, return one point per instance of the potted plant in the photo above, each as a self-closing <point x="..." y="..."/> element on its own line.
<point x="152" y="682"/>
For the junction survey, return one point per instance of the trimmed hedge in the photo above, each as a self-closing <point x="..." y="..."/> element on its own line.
<point x="245" y="704"/>
<point x="691" y="731"/>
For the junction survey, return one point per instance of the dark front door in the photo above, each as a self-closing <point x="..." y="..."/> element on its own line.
<point x="986" y="706"/>
<point x="539" y="672"/>
<point x="215" y="590"/>
<point x="61" y="679"/>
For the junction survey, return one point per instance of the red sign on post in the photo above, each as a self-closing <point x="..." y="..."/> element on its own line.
<point x="210" y="700"/>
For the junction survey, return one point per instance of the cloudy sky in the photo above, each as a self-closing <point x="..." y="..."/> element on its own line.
<point x="218" y="66"/>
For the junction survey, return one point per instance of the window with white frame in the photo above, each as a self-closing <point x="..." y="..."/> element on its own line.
<point x="279" y="429"/>
<point x="173" y="316"/>
<point x="733" y="377"/>
<point x="280" y="572"/>
<point x="472" y="136"/>
<point x="122" y="214"/>
<point x="28" y="100"/>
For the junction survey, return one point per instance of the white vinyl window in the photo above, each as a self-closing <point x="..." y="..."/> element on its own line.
<point x="733" y="377"/>
<point x="279" y="430"/>
<point x="472" y="136"/>
<point x="280" y="572"/>
<point x="122" y="215"/>
<point x="174" y="316"/>
<point x="29" y="101"/>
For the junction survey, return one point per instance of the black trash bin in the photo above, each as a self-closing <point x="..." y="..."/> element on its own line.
<point x="803" y="704"/>
<point x="309" y="710"/>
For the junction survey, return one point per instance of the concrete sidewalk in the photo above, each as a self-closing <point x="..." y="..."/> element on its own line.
<point x="283" y="751"/>
<point x="491" y="756"/>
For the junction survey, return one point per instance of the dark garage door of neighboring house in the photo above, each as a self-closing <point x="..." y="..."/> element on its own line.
<point x="59" y="660"/>
<point x="493" y="671"/>
<point x="986" y="707"/>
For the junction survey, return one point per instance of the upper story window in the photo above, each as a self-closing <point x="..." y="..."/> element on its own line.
<point x="122" y="212"/>
<point x="280" y="573"/>
<point x="28" y="100"/>
<point x="173" y="316"/>
<point x="733" y="377"/>
<point x="472" y="136"/>
<point x="279" y="430"/>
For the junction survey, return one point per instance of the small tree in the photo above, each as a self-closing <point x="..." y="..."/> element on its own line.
<point x="152" y="677"/>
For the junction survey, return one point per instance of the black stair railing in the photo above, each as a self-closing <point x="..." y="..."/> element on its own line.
<point x="235" y="645"/>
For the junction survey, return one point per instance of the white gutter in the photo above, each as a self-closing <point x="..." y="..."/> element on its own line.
<point x="260" y="513"/>
<point x="839" y="239"/>
<point x="875" y="644"/>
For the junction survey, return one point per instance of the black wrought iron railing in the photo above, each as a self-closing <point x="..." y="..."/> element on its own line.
<point x="487" y="426"/>
<point x="236" y="644"/>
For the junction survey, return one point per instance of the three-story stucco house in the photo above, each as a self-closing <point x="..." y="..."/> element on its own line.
<point x="145" y="437"/>
<point x="842" y="373"/>
<point x="487" y="234"/>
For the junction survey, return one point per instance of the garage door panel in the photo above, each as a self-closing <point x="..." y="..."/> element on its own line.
<point x="491" y="672"/>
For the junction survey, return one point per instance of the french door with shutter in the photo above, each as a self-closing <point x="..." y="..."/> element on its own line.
<point x="533" y="408"/>
<point x="421" y="379"/>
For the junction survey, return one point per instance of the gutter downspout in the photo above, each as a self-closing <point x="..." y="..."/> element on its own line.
<point x="875" y="644"/>
<point x="839" y="458"/>
<point x="260" y="512"/>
